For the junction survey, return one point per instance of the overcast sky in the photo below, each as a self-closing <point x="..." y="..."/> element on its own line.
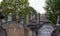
<point x="37" y="5"/>
<point x="0" y="1"/>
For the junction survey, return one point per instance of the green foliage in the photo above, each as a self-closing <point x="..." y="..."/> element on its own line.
<point x="52" y="7"/>
<point x="32" y="12"/>
<point x="15" y="6"/>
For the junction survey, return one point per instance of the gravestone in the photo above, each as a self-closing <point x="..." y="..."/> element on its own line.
<point x="13" y="28"/>
<point x="46" y="30"/>
<point x="17" y="18"/>
<point x="34" y="28"/>
<point x="21" y="22"/>
<point x="10" y="17"/>
<point x="1" y="17"/>
<point x="32" y="19"/>
<point x="3" y="32"/>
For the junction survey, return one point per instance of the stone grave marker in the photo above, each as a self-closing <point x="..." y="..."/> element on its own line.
<point x="46" y="30"/>
<point x="17" y="18"/>
<point x="10" y="17"/>
<point x="3" y="32"/>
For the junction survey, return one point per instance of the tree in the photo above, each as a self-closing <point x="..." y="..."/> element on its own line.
<point x="33" y="12"/>
<point x="15" y="6"/>
<point x="52" y="8"/>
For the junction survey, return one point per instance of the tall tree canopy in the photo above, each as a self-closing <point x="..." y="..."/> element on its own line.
<point x="15" y="6"/>
<point x="52" y="8"/>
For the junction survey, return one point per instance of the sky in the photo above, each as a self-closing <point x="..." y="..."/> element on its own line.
<point x="0" y="1"/>
<point x="37" y="5"/>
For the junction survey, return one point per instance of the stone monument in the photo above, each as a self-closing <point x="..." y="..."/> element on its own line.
<point x="2" y="30"/>
<point x="1" y="17"/>
<point x="17" y="18"/>
<point x="10" y="17"/>
<point x="34" y="28"/>
<point x="46" y="30"/>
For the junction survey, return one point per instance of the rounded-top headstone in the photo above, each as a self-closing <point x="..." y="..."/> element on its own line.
<point x="10" y="17"/>
<point x="46" y="30"/>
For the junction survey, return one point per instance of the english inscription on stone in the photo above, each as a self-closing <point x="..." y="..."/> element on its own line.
<point x="46" y="30"/>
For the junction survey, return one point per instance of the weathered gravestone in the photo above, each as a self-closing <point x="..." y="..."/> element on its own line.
<point x="34" y="28"/>
<point x="13" y="29"/>
<point x="46" y="30"/>
<point x="17" y="18"/>
<point x="3" y="32"/>
<point x="1" y="17"/>
<point x="10" y="17"/>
